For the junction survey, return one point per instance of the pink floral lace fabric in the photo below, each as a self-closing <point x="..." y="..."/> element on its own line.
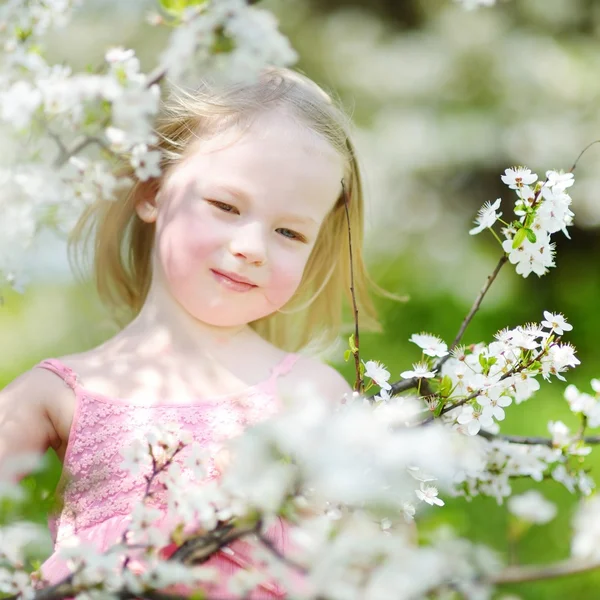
<point x="98" y="494"/>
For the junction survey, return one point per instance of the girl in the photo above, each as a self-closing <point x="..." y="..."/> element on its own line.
<point x="227" y="265"/>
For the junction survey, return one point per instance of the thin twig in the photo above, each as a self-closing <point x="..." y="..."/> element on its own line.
<point x="268" y="544"/>
<point x="359" y="383"/>
<point x="407" y="384"/>
<point x="474" y="308"/>
<point x="533" y="440"/>
<point x="201" y="548"/>
<point x="582" y="153"/>
<point x="570" y="566"/>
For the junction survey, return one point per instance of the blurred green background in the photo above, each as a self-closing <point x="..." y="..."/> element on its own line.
<point x="443" y="101"/>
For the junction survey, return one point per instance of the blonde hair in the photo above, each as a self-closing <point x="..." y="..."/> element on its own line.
<point x="122" y="243"/>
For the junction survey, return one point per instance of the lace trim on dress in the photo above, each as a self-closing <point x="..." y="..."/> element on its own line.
<point x="95" y="485"/>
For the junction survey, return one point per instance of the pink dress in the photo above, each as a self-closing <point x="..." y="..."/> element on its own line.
<point x="98" y="494"/>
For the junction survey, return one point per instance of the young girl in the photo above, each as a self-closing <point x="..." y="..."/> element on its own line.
<point x="230" y="263"/>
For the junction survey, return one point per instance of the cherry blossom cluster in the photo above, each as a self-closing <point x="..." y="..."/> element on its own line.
<point x="52" y="114"/>
<point x="469" y="388"/>
<point x="250" y="34"/>
<point x="541" y="208"/>
<point x="482" y="380"/>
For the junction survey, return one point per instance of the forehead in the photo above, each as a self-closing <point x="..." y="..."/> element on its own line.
<point x="273" y="157"/>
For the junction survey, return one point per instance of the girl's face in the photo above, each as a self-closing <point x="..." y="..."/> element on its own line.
<point x="243" y="207"/>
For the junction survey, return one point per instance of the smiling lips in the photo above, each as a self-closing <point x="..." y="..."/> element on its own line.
<point x="232" y="281"/>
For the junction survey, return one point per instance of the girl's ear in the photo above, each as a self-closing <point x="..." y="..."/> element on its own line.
<point x="146" y="202"/>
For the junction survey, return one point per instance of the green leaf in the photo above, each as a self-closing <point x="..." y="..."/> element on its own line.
<point x="347" y="355"/>
<point x="176" y="8"/>
<point x="438" y="409"/>
<point x="352" y="344"/>
<point x="531" y="235"/>
<point x="223" y="43"/>
<point x="361" y="369"/>
<point x="483" y="362"/>
<point x="445" y="386"/>
<point x="519" y="237"/>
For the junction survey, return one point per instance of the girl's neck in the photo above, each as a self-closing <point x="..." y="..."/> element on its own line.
<point x="164" y="326"/>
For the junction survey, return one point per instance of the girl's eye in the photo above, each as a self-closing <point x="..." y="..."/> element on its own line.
<point x="223" y="206"/>
<point x="291" y="235"/>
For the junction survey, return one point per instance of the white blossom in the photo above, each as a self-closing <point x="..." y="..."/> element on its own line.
<point x="532" y="507"/>
<point x="556" y="323"/>
<point x="431" y="345"/>
<point x="419" y="371"/>
<point x="18" y="104"/>
<point x="429" y="494"/>
<point x="561" y="435"/>
<point x="586" y="525"/>
<point x="486" y="217"/>
<point x="517" y="177"/>
<point x="145" y="162"/>
<point x="559" y="181"/>
<point x="378" y="373"/>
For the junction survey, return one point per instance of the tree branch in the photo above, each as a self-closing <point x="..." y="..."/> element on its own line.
<point x="474" y="309"/>
<point x="570" y="566"/>
<point x="532" y="440"/>
<point x="199" y="549"/>
<point x="359" y="383"/>
<point x="407" y="384"/>
<point x="284" y="559"/>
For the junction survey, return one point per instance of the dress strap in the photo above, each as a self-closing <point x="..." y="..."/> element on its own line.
<point x="65" y="373"/>
<point x="285" y="366"/>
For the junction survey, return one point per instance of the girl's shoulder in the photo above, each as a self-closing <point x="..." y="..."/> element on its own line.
<point x="30" y="403"/>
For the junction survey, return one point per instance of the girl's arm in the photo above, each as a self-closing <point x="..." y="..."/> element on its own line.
<point x="25" y="423"/>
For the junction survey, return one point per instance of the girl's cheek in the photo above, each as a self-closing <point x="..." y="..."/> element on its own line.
<point x="185" y="244"/>
<point x="285" y="279"/>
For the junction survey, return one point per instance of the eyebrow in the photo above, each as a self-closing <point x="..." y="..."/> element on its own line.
<point x="239" y="193"/>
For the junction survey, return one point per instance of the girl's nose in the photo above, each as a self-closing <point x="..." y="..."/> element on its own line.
<point x="249" y="243"/>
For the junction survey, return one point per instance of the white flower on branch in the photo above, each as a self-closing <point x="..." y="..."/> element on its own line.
<point x="518" y="177"/>
<point x="18" y="538"/>
<point x="135" y="456"/>
<point x="579" y="402"/>
<point x="559" y="181"/>
<point x="486" y="217"/>
<point x="561" y="435"/>
<point x="474" y="419"/>
<point x="586" y="525"/>
<point x="556" y="323"/>
<point x="493" y="405"/>
<point x="554" y="213"/>
<point x="431" y="345"/>
<point x="40" y="16"/>
<point x="19" y="103"/>
<point x="145" y="162"/>
<point x="143" y="527"/>
<point x="16" y="583"/>
<point x="253" y="31"/>
<point x="558" y="359"/>
<point x="419" y="371"/>
<point x="429" y="494"/>
<point x="531" y="257"/>
<point x="383" y="395"/>
<point x="524" y="385"/>
<point x="532" y="507"/>
<point x="378" y="373"/>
